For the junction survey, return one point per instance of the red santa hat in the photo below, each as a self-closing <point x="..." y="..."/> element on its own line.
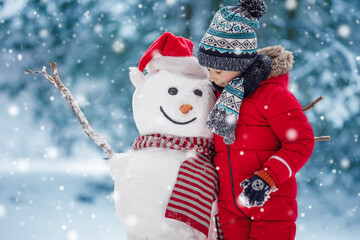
<point x="167" y="45"/>
<point x="172" y="53"/>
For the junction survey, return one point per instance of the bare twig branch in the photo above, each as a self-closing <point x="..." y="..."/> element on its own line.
<point x="55" y="79"/>
<point x="322" y="138"/>
<point x="311" y="105"/>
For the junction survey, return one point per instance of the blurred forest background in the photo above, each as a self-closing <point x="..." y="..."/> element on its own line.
<point x="95" y="42"/>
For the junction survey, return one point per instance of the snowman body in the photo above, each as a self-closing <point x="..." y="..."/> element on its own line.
<point x="169" y="102"/>
<point x="142" y="192"/>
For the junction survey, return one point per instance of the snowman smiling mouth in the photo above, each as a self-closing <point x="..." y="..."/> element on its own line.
<point x="173" y="121"/>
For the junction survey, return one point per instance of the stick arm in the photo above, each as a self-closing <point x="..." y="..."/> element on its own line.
<point x="56" y="80"/>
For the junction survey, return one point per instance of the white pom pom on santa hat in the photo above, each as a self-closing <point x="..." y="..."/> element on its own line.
<point x="173" y="53"/>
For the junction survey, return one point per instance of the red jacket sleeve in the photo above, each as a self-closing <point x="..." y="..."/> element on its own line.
<point x="290" y="125"/>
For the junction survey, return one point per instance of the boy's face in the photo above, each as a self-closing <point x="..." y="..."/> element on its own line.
<point x="222" y="78"/>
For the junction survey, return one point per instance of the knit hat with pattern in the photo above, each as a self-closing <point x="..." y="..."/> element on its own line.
<point x="230" y="42"/>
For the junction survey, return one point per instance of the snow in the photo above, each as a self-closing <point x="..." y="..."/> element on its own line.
<point x="344" y="31"/>
<point x="118" y="46"/>
<point x="43" y="33"/>
<point x="72" y="235"/>
<point x="2" y="211"/>
<point x="32" y="206"/>
<point x="291" y="5"/>
<point x="51" y="152"/>
<point x="11" y="8"/>
<point x="13" y="110"/>
<point x="324" y="216"/>
<point x="43" y="200"/>
<point x="170" y="2"/>
<point x="143" y="183"/>
<point x="152" y="94"/>
<point x="291" y="134"/>
<point x="35" y="118"/>
<point x="144" y="179"/>
<point x="345" y="163"/>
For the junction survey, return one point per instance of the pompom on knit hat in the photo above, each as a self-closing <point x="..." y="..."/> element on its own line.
<point x="230" y="43"/>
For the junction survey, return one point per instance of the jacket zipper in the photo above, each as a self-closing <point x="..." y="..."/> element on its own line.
<point x="232" y="181"/>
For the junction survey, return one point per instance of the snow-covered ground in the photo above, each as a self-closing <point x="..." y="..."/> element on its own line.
<point x="333" y="215"/>
<point x="73" y="201"/>
<point x="58" y="205"/>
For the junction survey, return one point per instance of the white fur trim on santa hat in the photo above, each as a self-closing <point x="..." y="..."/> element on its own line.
<point x="183" y="65"/>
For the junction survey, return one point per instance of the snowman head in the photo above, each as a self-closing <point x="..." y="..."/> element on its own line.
<point x="175" y="97"/>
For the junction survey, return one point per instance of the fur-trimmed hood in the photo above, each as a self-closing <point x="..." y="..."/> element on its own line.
<point x="282" y="60"/>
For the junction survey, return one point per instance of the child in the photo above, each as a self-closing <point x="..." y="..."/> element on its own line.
<point x="262" y="137"/>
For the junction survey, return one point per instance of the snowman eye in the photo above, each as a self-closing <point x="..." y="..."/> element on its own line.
<point x="198" y="92"/>
<point x="172" y="91"/>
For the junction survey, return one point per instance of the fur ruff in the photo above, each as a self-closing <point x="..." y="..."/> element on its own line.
<point x="282" y="60"/>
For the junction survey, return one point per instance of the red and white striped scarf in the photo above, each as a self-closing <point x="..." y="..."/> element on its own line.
<point x="196" y="184"/>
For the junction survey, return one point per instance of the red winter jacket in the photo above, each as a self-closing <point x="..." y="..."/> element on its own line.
<point x="273" y="134"/>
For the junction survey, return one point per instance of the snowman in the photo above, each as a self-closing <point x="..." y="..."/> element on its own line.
<point x="165" y="186"/>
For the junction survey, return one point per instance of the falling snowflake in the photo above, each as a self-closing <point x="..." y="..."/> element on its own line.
<point x="344" y="31"/>
<point x="291" y="134"/>
<point x="13" y="110"/>
<point x="345" y="163"/>
<point x="230" y="119"/>
<point x="291" y="5"/>
<point x="98" y="28"/>
<point x="51" y="152"/>
<point x="170" y="2"/>
<point x="24" y="166"/>
<point x="72" y="235"/>
<point x="43" y="33"/>
<point x="118" y="46"/>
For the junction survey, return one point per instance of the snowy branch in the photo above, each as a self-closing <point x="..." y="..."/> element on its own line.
<point x="55" y="79"/>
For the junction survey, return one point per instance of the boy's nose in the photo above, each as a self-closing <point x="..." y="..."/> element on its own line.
<point x="185" y="108"/>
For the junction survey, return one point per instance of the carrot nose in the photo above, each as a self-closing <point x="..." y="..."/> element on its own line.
<point x="186" y="108"/>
